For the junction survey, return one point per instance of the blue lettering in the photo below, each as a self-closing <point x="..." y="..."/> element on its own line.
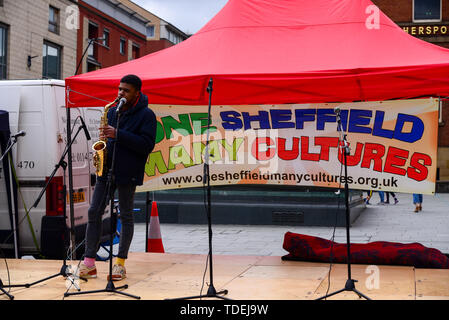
<point x="417" y="128"/>
<point x="358" y="119"/>
<point x="323" y="116"/>
<point x="231" y="120"/>
<point x="303" y="115"/>
<point x="280" y="119"/>
<point x="378" y="130"/>
<point x="262" y="118"/>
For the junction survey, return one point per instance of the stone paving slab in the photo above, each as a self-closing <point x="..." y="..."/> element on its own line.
<point x="396" y="223"/>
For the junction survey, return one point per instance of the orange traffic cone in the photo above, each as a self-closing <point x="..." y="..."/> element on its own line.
<point x="154" y="241"/>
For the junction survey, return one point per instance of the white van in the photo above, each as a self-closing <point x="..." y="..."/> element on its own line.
<point x="37" y="107"/>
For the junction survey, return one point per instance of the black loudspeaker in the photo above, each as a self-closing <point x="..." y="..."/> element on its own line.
<point x="54" y="237"/>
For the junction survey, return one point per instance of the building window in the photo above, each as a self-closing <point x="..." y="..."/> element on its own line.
<point x="93" y="34"/>
<point x="92" y="66"/>
<point x="122" y="46"/>
<point x="150" y="31"/>
<point x="3" y="51"/>
<point x="136" y="51"/>
<point x="426" y="10"/>
<point x="51" y="64"/>
<point x="106" y="37"/>
<point x="173" y="37"/>
<point x="53" y="20"/>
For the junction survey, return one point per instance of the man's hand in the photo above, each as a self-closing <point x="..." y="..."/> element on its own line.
<point x="107" y="132"/>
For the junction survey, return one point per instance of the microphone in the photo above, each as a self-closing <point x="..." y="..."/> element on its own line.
<point x="83" y="125"/>
<point x="21" y="133"/>
<point x="120" y="104"/>
<point x="337" y="112"/>
<point x="209" y="87"/>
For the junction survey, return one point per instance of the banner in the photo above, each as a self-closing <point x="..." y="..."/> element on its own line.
<point x="393" y="145"/>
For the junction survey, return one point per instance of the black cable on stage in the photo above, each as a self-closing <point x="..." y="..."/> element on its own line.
<point x="7" y="270"/>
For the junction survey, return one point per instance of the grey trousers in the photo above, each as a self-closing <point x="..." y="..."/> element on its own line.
<point x="96" y="211"/>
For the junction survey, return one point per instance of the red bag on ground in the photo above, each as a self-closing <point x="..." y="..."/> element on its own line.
<point x="308" y="248"/>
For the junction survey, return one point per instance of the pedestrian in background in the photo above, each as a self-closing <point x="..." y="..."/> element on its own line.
<point x="381" y="196"/>
<point x="394" y="197"/>
<point x="417" y="201"/>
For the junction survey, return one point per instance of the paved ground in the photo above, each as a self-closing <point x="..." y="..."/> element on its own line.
<point x="397" y="223"/>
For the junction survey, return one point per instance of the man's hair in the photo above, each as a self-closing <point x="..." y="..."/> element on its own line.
<point x="132" y="80"/>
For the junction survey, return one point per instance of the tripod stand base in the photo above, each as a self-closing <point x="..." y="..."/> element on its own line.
<point x="62" y="272"/>
<point x="349" y="286"/>
<point x="110" y="288"/>
<point x="11" y="297"/>
<point x="211" y="293"/>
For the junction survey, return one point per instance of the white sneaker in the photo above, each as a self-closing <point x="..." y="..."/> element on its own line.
<point x="118" y="272"/>
<point x="86" y="272"/>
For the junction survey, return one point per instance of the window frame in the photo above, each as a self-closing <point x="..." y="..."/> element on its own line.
<point x="427" y="20"/>
<point x="51" y="23"/>
<point x="137" y="47"/>
<point x="153" y="33"/>
<point x="107" y="37"/>
<point x="122" y="41"/>
<point x="45" y="66"/>
<point x="4" y="65"/>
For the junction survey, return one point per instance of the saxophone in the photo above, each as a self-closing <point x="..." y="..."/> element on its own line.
<point x="99" y="147"/>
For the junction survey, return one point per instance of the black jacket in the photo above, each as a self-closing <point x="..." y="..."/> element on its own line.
<point x="136" y="137"/>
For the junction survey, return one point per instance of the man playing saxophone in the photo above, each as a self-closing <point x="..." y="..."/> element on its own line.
<point x="134" y="139"/>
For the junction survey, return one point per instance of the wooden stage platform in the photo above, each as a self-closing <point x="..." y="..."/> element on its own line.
<point x="156" y="276"/>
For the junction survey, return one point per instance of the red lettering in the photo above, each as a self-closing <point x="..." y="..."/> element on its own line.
<point x="396" y="158"/>
<point x="305" y="155"/>
<point x="417" y="170"/>
<point x="263" y="155"/>
<point x="288" y="154"/>
<point x="326" y="143"/>
<point x="373" y="152"/>
<point x="354" y="159"/>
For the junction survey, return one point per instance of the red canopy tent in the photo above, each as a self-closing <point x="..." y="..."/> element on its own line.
<point x="274" y="52"/>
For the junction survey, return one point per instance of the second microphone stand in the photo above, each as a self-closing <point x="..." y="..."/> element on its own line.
<point x="211" y="292"/>
<point x="350" y="283"/>
<point x="64" y="271"/>
<point x="11" y="297"/>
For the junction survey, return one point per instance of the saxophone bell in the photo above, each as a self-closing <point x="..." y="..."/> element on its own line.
<point x="99" y="158"/>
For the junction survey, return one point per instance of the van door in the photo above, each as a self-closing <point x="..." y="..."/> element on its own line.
<point x="10" y="102"/>
<point x="80" y="165"/>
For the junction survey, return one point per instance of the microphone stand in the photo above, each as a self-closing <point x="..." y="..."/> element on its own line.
<point x="11" y="297"/>
<point x="64" y="269"/>
<point x="110" y="287"/>
<point x="350" y="283"/>
<point x="211" y="292"/>
<point x="14" y="141"/>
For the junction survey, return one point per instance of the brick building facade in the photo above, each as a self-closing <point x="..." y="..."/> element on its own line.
<point x="36" y="39"/>
<point x="130" y="31"/>
<point x="160" y="33"/>
<point x="46" y="38"/>
<point x="427" y="20"/>
<point x="124" y="35"/>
